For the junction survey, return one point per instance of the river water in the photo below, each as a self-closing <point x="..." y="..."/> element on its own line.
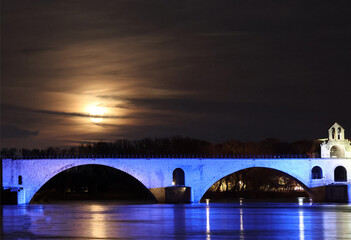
<point x="94" y="220"/>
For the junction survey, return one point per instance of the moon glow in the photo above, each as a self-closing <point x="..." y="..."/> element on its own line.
<point x="96" y="114"/>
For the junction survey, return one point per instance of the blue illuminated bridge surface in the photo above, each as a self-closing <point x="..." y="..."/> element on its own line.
<point x="27" y="176"/>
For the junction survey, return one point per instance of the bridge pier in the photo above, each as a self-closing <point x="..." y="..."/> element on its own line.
<point x="318" y="194"/>
<point x="173" y="194"/>
<point x="159" y="194"/>
<point x="332" y="193"/>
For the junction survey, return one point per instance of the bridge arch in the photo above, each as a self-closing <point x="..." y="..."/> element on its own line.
<point x="302" y="184"/>
<point x="49" y="177"/>
<point x="337" y="151"/>
<point x="340" y="174"/>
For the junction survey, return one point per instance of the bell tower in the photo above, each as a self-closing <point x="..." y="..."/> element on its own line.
<point x="336" y="146"/>
<point x="336" y="132"/>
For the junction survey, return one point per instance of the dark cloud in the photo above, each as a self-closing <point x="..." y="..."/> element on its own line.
<point x="9" y="131"/>
<point x="125" y="106"/>
<point x="35" y="50"/>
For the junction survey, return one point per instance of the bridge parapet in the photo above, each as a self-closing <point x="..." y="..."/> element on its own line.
<point x="166" y="156"/>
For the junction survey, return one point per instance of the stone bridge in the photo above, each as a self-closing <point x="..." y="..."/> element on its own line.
<point x="27" y="176"/>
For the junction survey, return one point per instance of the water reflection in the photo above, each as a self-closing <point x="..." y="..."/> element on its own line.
<point x="167" y="221"/>
<point x="208" y="227"/>
<point x="241" y="224"/>
<point x="329" y="225"/>
<point x="179" y="219"/>
<point x="97" y="221"/>
<point x="301" y="226"/>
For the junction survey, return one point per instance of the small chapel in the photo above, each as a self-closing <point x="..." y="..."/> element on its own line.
<point x="336" y="146"/>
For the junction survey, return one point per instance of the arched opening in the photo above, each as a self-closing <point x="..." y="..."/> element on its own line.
<point x="93" y="182"/>
<point x="339" y="133"/>
<point x="340" y="174"/>
<point x="337" y="152"/>
<point x="333" y="133"/>
<point x="257" y="184"/>
<point x="178" y="177"/>
<point x="317" y="172"/>
<point x="20" y="181"/>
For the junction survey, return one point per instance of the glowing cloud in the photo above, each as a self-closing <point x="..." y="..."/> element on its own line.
<point x="96" y="113"/>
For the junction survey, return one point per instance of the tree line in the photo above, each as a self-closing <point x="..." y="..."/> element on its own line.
<point x="174" y="146"/>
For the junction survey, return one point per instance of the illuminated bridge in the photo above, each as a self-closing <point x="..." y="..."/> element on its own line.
<point x="324" y="179"/>
<point x="27" y="176"/>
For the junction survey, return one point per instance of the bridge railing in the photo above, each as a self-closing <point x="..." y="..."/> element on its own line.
<point x="167" y="156"/>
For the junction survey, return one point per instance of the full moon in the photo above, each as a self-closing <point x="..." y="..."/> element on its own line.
<point x="96" y="113"/>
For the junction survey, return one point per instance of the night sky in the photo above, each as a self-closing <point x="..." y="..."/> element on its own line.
<point x="213" y="70"/>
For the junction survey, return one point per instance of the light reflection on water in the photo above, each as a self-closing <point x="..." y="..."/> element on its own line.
<point x="167" y="221"/>
<point x="208" y="227"/>
<point x="241" y="223"/>
<point x="301" y="225"/>
<point x="97" y="225"/>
